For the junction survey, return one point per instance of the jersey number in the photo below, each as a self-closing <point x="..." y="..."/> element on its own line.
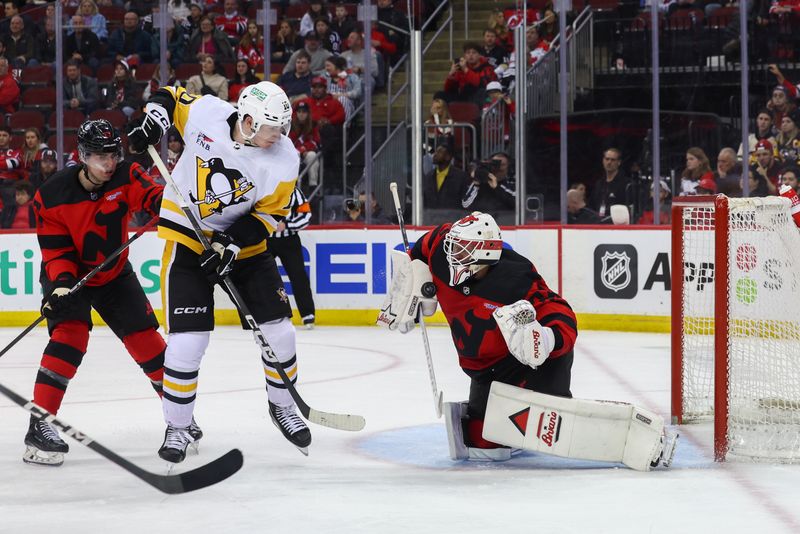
<point x="94" y="243"/>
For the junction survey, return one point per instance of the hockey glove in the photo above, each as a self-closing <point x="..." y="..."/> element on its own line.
<point x="527" y="340"/>
<point x="405" y="299"/>
<point x="217" y="261"/>
<point x="60" y="302"/>
<point x="149" y="129"/>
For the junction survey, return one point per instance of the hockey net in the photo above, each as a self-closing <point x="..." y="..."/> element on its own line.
<point x="736" y="324"/>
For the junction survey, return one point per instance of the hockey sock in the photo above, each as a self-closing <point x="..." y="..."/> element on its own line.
<point x="60" y="361"/>
<point x="473" y="435"/>
<point x="280" y="335"/>
<point x="147" y="348"/>
<point x="181" y="368"/>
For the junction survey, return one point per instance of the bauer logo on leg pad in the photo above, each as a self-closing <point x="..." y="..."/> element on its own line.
<point x="549" y="427"/>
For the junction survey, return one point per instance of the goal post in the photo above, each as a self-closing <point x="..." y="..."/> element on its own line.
<point x="736" y="324"/>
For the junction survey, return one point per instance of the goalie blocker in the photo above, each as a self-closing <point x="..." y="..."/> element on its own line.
<point x="603" y="431"/>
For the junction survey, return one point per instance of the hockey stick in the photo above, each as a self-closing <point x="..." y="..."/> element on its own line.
<point x="438" y="396"/>
<point x="331" y="420"/>
<point x="82" y="282"/>
<point x="205" y="475"/>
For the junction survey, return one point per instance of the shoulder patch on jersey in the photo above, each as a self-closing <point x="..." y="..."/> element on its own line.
<point x="218" y="186"/>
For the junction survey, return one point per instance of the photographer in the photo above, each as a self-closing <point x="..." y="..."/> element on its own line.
<point x="491" y="189"/>
<point x="355" y="212"/>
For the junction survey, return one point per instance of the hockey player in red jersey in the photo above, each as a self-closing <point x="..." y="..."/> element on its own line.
<point x="82" y="215"/>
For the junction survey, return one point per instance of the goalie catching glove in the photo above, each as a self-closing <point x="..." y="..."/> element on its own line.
<point x="217" y="261"/>
<point x="149" y="129"/>
<point x="527" y="340"/>
<point x="405" y="298"/>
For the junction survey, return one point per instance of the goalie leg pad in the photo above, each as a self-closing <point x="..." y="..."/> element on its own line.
<point x="571" y="428"/>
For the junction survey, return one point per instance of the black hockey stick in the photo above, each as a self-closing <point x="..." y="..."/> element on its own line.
<point x="438" y="395"/>
<point x="206" y="475"/>
<point x="82" y="282"/>
<point x="332" y="420"/>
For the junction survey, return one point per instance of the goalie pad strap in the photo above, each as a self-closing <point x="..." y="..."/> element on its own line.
<point x="572" y="428"/>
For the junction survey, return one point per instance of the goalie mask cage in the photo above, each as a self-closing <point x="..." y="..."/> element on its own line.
<point x="736" y="324"/>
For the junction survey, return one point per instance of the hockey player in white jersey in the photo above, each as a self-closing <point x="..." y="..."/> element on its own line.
<point x="238" y="171"/>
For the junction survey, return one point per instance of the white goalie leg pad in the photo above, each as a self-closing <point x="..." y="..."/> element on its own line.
<point x="573" y="428"/>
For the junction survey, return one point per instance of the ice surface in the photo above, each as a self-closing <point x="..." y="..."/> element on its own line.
<point x="395" y="476"/>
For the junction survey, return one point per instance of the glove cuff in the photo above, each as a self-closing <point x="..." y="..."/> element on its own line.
<point x="65" y="280"/>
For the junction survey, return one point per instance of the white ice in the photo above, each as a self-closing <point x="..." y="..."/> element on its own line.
<point x="395" y="476"/>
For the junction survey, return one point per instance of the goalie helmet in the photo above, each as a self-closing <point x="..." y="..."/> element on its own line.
<point x="471" y="244"/>
<point x="268" y="104"/>
<point x="98" y="137"/>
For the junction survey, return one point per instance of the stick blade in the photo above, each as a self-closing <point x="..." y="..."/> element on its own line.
<point x="351" y="423"/>
<point x="201" y="477"/>
<point x="439" y="404"/>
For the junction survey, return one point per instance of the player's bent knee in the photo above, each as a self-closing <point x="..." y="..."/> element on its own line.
<point x="185" y="350"/>
<point x="280" y="335"/>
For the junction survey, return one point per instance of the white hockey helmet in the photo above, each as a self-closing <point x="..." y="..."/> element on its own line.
<point x="268" y="104"/>
<point x="471" y="244"/>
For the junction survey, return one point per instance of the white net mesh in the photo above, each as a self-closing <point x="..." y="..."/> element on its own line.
<point x="763" y="313"/>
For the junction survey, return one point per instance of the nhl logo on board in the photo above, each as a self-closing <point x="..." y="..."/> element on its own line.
<point x="615" y="271"/>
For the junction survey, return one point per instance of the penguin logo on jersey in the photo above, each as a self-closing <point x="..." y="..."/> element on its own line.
<point x="218" y="187"/>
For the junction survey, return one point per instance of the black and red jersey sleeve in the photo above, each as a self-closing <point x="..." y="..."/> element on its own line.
<point x="59" y="254"/>
<point x="426" y="244"/>
<point x="144" y="194"/>
<point x="553" y="311"/>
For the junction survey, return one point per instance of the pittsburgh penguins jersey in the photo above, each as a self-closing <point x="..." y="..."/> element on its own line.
<point x="223" y="181"/>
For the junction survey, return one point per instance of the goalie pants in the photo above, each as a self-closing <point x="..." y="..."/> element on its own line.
<point x="289" y="250"/>
<point x="124" y="307"/>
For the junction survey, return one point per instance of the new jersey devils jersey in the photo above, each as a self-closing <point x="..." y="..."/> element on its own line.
<point x="468" y="307"/>
<point x="78" y="229"/>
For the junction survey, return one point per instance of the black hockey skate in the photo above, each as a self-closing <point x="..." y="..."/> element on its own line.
<point x="195" y="431"/>
<point x="291" y="426"/>
<point x="44" y="445"/>
<point x="176" y="441"/>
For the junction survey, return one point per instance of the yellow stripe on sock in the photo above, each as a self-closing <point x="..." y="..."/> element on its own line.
<point x="275" y="376"/>
<point x="183" y="388"/>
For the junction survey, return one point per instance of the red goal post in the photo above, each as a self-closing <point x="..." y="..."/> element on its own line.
<point x="736" y="324"/>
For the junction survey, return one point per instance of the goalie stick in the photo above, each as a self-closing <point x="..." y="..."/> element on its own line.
<point x="438" y="395"/>
<point x="201" y="477"/>
<point x="82" y="282"/>
<point x="332" y="420"/>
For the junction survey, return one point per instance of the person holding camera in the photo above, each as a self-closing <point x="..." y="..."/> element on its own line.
<point x="469" y="76"/>
<point x="355" y="211"/>
<point x="491" y="189"/>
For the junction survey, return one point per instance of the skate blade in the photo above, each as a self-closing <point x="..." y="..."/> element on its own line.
<point x="669" y="450"/>
<point x="34" y="456"/>
<point x="304" y="450"/>
<point x="195" y="447"/>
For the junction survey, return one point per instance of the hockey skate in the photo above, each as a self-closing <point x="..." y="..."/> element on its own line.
<point x="291" y="426"/>
<point x="176" y="441"/>
<point x="44" y="445"/>
<point x="308" y="321"/>
<point x="669" y="440"/>
<point x="455" y="413"/>
<point x="197" y="433"/>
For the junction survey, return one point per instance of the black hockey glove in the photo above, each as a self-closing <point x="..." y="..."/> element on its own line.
<point x="217" y="261"/>
<point x="60" y="302"/>
<point x="147" y="130"/>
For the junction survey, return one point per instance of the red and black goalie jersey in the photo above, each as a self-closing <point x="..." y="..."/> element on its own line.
<point x="468" y="307"/>
<point x="78" y="229"/>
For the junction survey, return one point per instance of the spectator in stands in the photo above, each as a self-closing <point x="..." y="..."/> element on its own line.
<point x="179" y="10"/>
<point x="329" y="116"/>
<point x="48" y="165"/>
<point x="491" y="192"/>
<point x="45" y="46"/>
<point x="20" y="45"/>
<point x="790" y="176"/>
<point x="342" y="23"/>
<point x="11" y="10"/>
<point x="388" y="19"/>
<point x="494" y="53"/>
<point x="758" y="184"/>
<point x="9" y="88"/>
<point x="80" y="92"/>
<point x="9" y="165"/>
<point x="30" y="154"/>
<point x="764" y="130"/>
<point x="286" y="42"/>
<point x="230" y="22"/>
<point x="438" y="126"/>
<point x="697" y="168"/>
<point x="155" y="81"/>
<point x="19" y="215"/>
<point x="665" y="205"/>
<point x="444" y="185"/>
<point x="305" y="136"/>
<point x="728" y="173"/>
<point x="780" y="104"/>
<point x="331" y="41"/>
<point x="537" y="47"/>
<point x="122" y="93"/>
<point x="706" y="186"/>
<point x="314" y="49"/>
<point x="499" y="114"/>
<point x="174" y="148"/>
<point x="548" y="22"/>
<point x="91" y="19"/>
<point x="468" y="77"/>
<point x="130" y="42"/>
<point x="192" y="22"/>
<point x="767" y="165"/>
<point x="382" y="45"/>
<point x="612" y="187"/>
<point x="354" y="55"/>
<point x="497" y="22"/>
<point x="82" y="44"/>
<point x="243" y="77"/>
<point x="297" y="83"/>
<point x="788" y="140"/>
<point x="251" y="47"/>
<point x="208" y="40"/>
<point x="316" y="9"/>
<point x="355" y="210"/>
<point x="208" y="82"/>
<point x="577" y="212"/>
<point x="344" y="86"/>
